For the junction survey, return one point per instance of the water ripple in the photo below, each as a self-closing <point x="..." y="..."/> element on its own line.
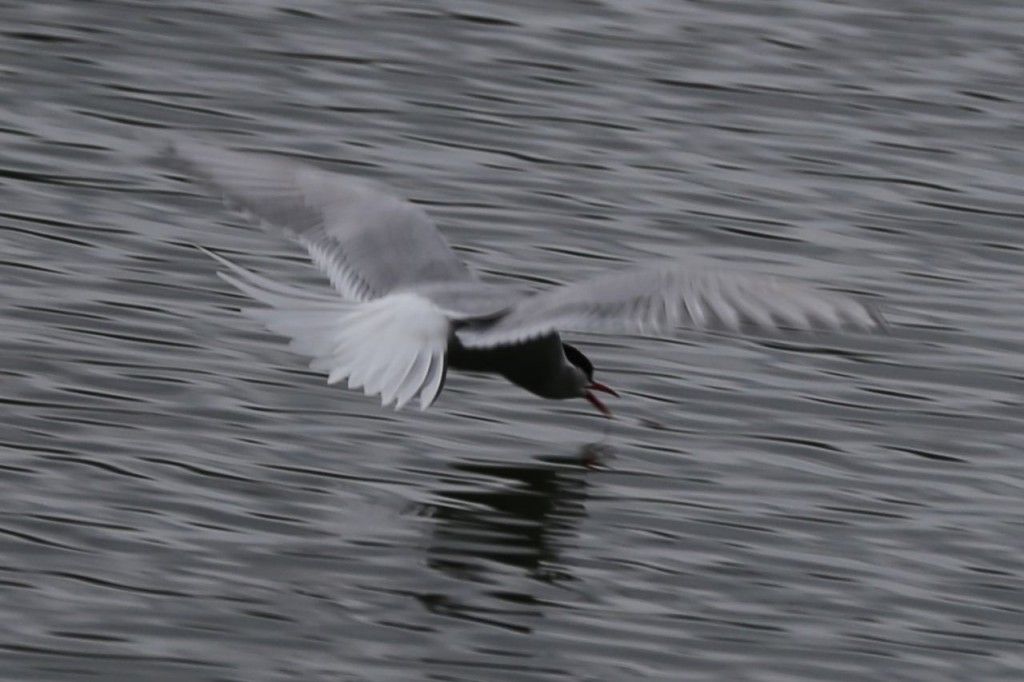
<point x="180" y="495"/>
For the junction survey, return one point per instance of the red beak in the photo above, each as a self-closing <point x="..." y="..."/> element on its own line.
<point x="595" y="401"/>
<point x="598" y="386"/>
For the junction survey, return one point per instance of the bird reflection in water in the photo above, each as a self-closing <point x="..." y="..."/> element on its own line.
<point x="521" y="520"/>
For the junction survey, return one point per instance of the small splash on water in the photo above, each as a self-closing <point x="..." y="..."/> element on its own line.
<point x="597" y="455"/>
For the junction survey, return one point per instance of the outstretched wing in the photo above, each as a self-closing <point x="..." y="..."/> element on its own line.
<point x="655" y="297"/>
<point x="367" y="240"/>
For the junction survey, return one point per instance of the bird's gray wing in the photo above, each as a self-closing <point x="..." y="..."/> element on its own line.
<point x="366" y="239"/>
<point x="655" y="297"/>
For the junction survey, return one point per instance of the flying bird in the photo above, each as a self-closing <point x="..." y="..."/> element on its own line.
<point x="405" y="309"/>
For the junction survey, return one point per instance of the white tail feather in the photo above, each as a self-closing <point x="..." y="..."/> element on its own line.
<point x="394" y="346"/>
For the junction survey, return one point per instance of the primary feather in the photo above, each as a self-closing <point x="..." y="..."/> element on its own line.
<point x="653" y="298"/>
<point x="367" y="240"/>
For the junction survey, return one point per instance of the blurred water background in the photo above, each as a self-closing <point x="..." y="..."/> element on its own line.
<point x="180" y="499"/>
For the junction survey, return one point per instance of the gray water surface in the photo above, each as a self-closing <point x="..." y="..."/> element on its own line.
<point x="180" y="499"/>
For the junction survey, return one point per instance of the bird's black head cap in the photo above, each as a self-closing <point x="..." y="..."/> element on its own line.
<point x="577" y="358"/>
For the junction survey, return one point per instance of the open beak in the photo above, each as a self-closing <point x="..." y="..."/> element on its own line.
<point x="595" y="401"/>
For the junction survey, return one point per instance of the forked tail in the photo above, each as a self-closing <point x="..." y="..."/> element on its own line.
<point x="394" y="346"/>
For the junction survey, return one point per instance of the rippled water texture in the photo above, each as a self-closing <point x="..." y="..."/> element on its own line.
<point x="180" y="499"/>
